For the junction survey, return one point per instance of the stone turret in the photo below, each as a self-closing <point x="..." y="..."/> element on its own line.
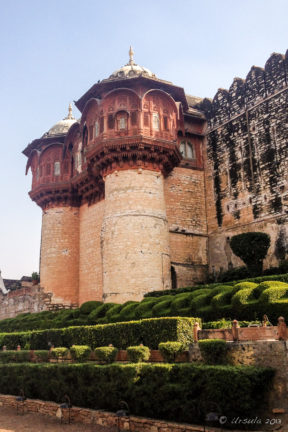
<point x="100" y="183"/>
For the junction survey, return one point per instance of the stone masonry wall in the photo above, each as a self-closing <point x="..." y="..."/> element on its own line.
<point x="26" y="299"/>
<point x="185" y="205"/>
<point x="246" y="165"/>
<point x="59" y="265"/>
<point x="268" y="353"/>
<point x="134" y="238"/>
<point x="90" y="256"/>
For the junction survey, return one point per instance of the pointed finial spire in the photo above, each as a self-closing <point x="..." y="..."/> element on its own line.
<point x="131" y="55"/>
<point x="70" y="115"/>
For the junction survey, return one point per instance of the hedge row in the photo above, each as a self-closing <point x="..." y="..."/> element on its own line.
<point x="279" y="277"/>
<point x="150" y="332"/>
<point x="181" y="392"/>
<point x="248" y="300"/>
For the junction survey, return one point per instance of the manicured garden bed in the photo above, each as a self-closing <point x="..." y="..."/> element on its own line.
<point x="178" y="389"/>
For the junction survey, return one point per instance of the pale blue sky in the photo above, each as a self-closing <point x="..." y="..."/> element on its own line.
<point x="51" y="52"/>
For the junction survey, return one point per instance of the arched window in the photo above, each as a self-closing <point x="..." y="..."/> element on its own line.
<point x="173" y="278"/>
<point x="187" y="150"/>
<point x="48" y="169"/>
<point x="56" y="168"/>
<point x="156" y="121"/>
<point x="166" y="123"/>
<point x="96" y="128"/>
<point x="110" y="121"/>
<point x="146" y="119"/>
<point x="85" y="135"/>
<point x="134" y="118"/>
<point x="122" y="121"/>
<point x="91" y="133"/>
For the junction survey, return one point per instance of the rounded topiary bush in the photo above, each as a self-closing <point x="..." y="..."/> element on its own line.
<point x="87" y="307"/>
<point x="181" y="301"/>
<point x="271" y="295"/>
<point x="127" y="312"/>
<point x="137" y="354"/>
<point x="252" y="248"/>
<point x="112" y="314"/>
<point x="162" y="308"/>
<point x="244" y="285"/>
<point x="80" y="352"/>
<point x="59" y="353"/>
<point x="219" y="290"/>
<point x="99" y="312"/>
<point x="106" y="354"/>
<point x="213" y="351"/>
<point x="198" y="302"/>
<point x="170" y="350"/>
<point x="221" y="299"/>
<point x="244" y="296"/>
<point x="144" y="308"/>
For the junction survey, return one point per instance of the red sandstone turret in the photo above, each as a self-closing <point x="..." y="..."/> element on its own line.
<point x="109" y="200"/>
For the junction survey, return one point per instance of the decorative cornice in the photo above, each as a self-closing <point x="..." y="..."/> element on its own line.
<point x="133" y="153"/>
<point x="54" y="195"/>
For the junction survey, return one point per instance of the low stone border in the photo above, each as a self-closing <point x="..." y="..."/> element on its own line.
<point x="103" y="418"/>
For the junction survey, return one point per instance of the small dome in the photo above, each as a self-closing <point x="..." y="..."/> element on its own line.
<point x="62" y="126"/>
<point x="131" y="70"/>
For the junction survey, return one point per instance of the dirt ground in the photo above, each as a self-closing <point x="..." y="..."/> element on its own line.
<point x="32" y="422"/>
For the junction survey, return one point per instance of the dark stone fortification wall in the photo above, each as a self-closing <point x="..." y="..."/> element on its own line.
<point x="247" y="162"/>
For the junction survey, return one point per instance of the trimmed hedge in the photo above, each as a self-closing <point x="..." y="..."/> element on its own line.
<point x="106" y="354"/>
<point x="169" y="350"/>
<point x="178" y="389"/>
<point x="244" y="300"/>
<point x="80" y="352"/>
<point x="213" y="351"/>
<point x="15" y="356"/>
<point x="59" y="352"/>
<point x="150" y="332"/>
<point x="137" y="354"/>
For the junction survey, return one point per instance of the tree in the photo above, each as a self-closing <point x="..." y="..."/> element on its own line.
<point x="252" y="248"/>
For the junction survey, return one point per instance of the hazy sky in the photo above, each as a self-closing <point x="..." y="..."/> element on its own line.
<point x="51" y="52"/>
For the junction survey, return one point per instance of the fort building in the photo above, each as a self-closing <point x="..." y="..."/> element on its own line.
<point x="144" y="191"/>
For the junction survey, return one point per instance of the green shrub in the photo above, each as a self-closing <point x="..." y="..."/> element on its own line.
<point x="14" y="356"/>
<point x="137" y="354"/>
<point x="99" y="312"/>
<point x="112" y="314"/>
<point x="161" y="391"/>
<point x="59" y="353"/>
<point x="236" y="273"/>
<point x="244" y="285"/>
<point x="221" y="289"/>
<point x="252" y="248"/>
<point x="199" y="301"/>
<point x="223" y="323"/>
<point x="271" y="295"/>
<point x="181" y="301"/>
<point x="80" y="352"/>
<point x="170" y="350"/>
<point x="127" y="313"/>
<point x="213" y="351"/>
<point x="41" y="356"/>
<point x="106" y="354"/>
<point x="87" y="307"/>
<point x="144" y="308"/>
<point x="244" y="296"/>
<point x="221" y="299"/>
<point x="162" y="308"/>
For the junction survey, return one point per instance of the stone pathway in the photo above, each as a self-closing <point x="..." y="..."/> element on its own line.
<point x="34" y="422"/>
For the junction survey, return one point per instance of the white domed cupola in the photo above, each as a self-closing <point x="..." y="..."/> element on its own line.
<point x="131" y="70"/>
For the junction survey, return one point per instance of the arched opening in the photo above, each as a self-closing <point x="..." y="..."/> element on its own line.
<point x="173" y="278"/>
